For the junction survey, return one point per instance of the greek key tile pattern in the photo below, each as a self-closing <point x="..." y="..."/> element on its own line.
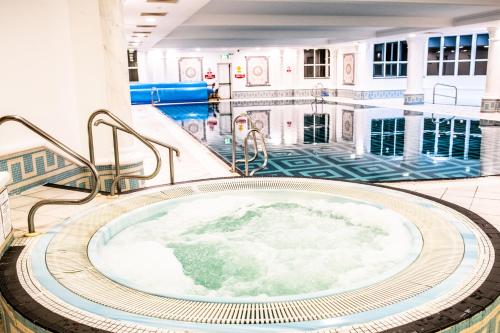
<point x="414" y="99"/>
<point x="490" y="105"/>
<point x="40" y="165"/>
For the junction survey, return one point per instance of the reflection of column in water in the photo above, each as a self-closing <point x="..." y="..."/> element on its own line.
<point x="413" y="135"/>
<point x="490" y="147"/>
<point x="361" y="128"/>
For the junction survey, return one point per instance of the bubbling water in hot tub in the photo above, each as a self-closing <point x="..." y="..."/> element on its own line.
<point x="259" y="244"/>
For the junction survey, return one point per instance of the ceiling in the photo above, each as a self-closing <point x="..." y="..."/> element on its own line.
<point x="261" y="23"/>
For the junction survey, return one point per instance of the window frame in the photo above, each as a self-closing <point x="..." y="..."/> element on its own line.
<point x="384" y="63"/>
<point x="457" y="61"/>
<point x="133" y="68"/>
<point x="315" y="65"/>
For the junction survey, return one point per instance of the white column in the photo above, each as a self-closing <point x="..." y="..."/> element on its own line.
<point x="362" y="69"/>
<point x="413" y="135"/>
<point x="414" y="93"/>
<point x="491" y="99"/>
<point x="490" y="148"/>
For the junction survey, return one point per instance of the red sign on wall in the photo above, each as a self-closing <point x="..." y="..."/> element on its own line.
<point x="210" y="75"/>
<point x="239" y="76"/>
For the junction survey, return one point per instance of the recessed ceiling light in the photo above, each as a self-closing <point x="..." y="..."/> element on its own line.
<point x="154" y="14"/>
<point x="146" y="26"/>
<point x="141" y="32"/>
<point x="150" y="19"/>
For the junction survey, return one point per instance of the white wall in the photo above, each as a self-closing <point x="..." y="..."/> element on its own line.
<point x="63" y="61"/>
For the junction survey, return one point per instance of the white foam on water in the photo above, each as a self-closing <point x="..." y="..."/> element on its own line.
<point x="259" y="244"/>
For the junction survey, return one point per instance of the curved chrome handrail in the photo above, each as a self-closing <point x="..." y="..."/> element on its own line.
<point x="264" y="150"/>
<point x="169" y="147"/>
<point x="234" y="161"/>
<point x="448" y="96"/>
<point x="131" y="131"/>
<point x="67" y="150"/>
<point x="153" y="91"/>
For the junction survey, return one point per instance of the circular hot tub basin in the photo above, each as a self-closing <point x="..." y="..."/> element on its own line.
<point x="255" y="245"/>
<point x="272" y="254"/>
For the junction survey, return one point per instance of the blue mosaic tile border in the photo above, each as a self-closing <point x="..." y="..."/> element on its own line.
<point x="346" y="93"/>
<point x="40" y="166"/>
<point x="490" y="105"/>
<point x="414" y="99"/>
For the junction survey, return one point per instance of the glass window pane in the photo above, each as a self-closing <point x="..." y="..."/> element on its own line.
<point x="464" y="68"/>
<point x="133" y="75"/>
<point x="309" y="57"/>
<point x="308" y="71"/>
<point x="320" y="56"/>
<point x="465" y="47"/>
<point x="433" y="68"/>
<point x="448" y="68"/>
<point x="378" y="52"/>
<point x="434" y="48"/>
<point x="391" y="51"/>
<point x="403" y="51"/>
<point x="482" y="44"/>
<point x="391" y="70"/>
<point x="449" y="47"/>
<point x="480" y="67"/>
<point x="132" y="58"/>
<point x="320" y="71"/>
<point x="402" y="69"/>
<point x="378" y="70"/>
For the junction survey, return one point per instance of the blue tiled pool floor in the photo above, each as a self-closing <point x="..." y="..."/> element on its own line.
<point x="346" y="143"/>
<point x="337" y="162"/>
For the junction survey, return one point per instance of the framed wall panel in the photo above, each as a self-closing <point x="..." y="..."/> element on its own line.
<point x="348" y="69"/>
<point x="257" y="71"/>
<point x="190" y="69"/>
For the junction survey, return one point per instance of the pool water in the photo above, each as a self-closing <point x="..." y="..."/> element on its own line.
<point x="255" y="244"/>
<point x="349" y="142"/>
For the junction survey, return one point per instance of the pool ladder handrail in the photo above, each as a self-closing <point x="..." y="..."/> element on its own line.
<point x="159" y="143"/>
<point x="314" y="104"/>
<point x="122" y="126"/>
<point x="70" y="152"/>
<point x="454" y="97"/>
<point x="153" y="100"/>
<point x="252" y="132"/>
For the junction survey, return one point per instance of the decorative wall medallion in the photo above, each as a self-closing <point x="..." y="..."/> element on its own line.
<point x="191" y="69"/>
<point x="347" y="125"/>
<point x="349" y="69"/>
<point x="261" y="120"/>
<point x="257" y="71"/>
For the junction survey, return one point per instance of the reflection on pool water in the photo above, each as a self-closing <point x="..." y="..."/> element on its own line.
<point x="255" y="244"/>
<point x="350" y="142"/>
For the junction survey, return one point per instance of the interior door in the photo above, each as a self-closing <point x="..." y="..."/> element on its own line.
<point x="224" y="73"/>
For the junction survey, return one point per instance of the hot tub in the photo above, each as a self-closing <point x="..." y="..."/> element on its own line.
<point x="267" y="254"/>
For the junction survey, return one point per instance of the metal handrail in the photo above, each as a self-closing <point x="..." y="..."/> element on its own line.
<point x="67" y="150"/>
<point x="169" y="147"/>
<point x="234" y="161"/>
<point x="131" y="131"/>
<point x="448" y="96"/>
<point x="317" y="101"/>
<point x="153" y="91"/>
<point x="253" y="131"/>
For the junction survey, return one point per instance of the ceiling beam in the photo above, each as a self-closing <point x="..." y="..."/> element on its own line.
<point x="221" y="20"/>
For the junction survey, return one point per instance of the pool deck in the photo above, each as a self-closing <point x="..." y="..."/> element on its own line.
<point x="480" y="195"/>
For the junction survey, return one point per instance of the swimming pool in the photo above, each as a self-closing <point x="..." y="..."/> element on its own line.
<point x="350" y="142"/>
